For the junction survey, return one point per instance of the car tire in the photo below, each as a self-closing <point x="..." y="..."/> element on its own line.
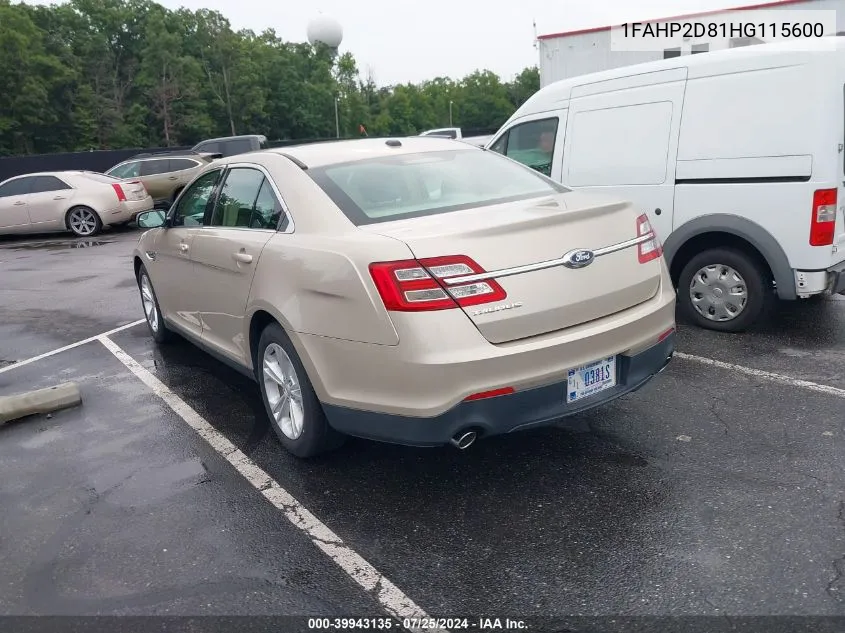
<point x="718" y="273"/>
<point x="83" y="221"/>
<point x="300" y="424"/>
<point x="152" y="312"/>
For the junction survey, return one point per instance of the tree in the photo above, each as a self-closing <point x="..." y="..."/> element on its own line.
<point x="132" y="73"/>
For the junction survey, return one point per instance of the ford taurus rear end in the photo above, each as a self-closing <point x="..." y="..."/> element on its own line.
<point x="515" y="303"/>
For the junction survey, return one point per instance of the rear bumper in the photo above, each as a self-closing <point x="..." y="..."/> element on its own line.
<point x="530" y="408"/>
<point x="127" y="211"/>
<point x="838" y="284"/>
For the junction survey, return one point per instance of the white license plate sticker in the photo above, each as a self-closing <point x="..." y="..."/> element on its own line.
<point x="590" y="379"/>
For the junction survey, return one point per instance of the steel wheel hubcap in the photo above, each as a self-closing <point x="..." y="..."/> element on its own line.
<point x="82" y="221"/>
<point x="148" y="300"/>
<point x="284" y="392"/>
<point x="718" y="292"/>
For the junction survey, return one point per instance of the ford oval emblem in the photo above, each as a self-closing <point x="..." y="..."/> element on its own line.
<point x="578" y="258"/>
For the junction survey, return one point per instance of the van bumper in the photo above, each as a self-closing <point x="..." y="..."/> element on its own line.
<point x="838" y="273"/>
<point x="531" y="408"/>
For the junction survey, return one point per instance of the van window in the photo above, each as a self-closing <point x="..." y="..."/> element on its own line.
<point x="620" y="146"/>
<point x="531" y="143"/>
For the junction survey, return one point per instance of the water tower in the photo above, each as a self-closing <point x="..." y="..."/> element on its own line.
<point x="326" y="31"/>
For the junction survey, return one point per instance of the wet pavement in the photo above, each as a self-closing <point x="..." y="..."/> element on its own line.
<point x="709" y="492"/>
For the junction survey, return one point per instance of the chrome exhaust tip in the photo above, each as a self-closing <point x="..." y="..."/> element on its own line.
<point x="463" y="441"/>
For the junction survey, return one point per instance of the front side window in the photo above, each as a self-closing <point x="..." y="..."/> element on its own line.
<point x="191" y="207"/>
<point x="17" y="187"/>
<point x="127" y="170"/>
<point x="428" y="183"/>
<point x="531" y="143"/>
<point x="236" y="202"/>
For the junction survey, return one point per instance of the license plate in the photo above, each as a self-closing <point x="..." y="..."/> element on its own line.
<point x="590" y="379"/>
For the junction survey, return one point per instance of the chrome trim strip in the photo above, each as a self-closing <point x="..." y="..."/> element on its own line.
<point x="518" y="270"/>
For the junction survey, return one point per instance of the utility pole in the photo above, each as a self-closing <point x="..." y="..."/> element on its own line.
<point x="450" y="113"/>
<point x="336" y="117"/>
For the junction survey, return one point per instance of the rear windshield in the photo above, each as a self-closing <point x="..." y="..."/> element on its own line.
<point x="411" y="185"/>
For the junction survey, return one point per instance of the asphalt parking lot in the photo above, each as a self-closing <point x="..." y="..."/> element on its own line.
<point x="718" y="490"/>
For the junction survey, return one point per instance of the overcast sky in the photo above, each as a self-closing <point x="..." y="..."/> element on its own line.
<point x="410" y="40"/>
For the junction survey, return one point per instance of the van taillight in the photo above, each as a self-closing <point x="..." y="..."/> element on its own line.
<point x="413" y="285"/>
<point x="121" y="197"/>
<point x="650" y="249"/>
<point x="823" y="220"/>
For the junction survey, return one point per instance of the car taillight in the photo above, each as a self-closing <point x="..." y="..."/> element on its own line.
<point x="649" y="249"/>
<point x="823" y="220"/>
<point x="121" y="197"/>
<point x="413" y="285"/>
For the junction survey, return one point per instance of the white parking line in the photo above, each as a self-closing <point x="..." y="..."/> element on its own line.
<point x="96" y="337"/>
<point x="374" y="583"/>
<point x="766" y="375"/>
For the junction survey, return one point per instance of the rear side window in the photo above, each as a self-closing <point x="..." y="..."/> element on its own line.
<point x="156" y="166"/>
<point x="238" y="146"/>
<point x="410" y="185"/>
<point x="17" y="187"/>
<point x="127" y="170"/>
<point x="180" y="164"/>
<point x="48" y="183"/>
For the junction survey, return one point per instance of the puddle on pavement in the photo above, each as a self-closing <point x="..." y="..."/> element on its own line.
<point x="6" y="363"/>
<point x="61" y="245"/>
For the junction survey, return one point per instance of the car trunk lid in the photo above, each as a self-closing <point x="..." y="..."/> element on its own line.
<point x="524" y="244"/>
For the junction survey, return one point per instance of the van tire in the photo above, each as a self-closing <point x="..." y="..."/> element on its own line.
<point x="758" y="287"/>
<point x="316" y="436"/>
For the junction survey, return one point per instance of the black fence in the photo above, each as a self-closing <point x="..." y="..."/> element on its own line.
<point x="99" y="160"/>
<point x="102" y="160"/>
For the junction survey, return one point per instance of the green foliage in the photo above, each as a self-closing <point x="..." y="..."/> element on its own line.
<point x="107" y="74"/>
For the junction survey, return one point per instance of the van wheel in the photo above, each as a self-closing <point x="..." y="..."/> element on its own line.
<point x="295" y="412"/>
<point x="724" y="289"/>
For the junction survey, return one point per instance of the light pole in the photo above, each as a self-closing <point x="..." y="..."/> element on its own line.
<point x="450" y="113"/>
<point x="336" y="117"/>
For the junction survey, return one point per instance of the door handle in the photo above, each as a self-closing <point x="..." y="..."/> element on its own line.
<point x="173" y="178"/>
<point x="183" y="247"/>
<point x="19" y="203"/>
<point x="59" y="198"/>
<point x="242" y="258"/>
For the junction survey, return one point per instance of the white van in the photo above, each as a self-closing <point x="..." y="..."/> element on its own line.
<point x="736" y="156"/>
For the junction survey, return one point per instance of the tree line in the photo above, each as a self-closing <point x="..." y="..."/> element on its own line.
<point x="107" y="74"/>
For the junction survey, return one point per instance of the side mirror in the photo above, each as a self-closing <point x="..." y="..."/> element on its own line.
<point x="152" y="219"/>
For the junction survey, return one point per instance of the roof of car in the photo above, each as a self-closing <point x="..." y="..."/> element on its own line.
<point x="333" y="152"/>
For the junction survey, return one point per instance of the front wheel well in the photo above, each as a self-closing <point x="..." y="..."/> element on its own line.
<point x="714" y="239"/>
<point x="136" y="263"/>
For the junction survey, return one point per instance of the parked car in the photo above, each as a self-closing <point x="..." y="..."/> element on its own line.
<point x="417" y="291"/>
<point x="232" y="145"/>
<point x="163" y="175"/>
<point x="456" y="133"/>
<point x="82" y="202"/>
<point x="736" y="156"/>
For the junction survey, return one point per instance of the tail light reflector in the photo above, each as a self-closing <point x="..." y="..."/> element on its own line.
<point x="823" y="220"/>
<point x="413" y="285"/>
<point x="482" y="395"/>
<point x="650" y="249"/>
<point x="121" y="197"/>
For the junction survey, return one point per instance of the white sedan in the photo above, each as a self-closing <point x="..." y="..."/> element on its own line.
<point x="82" y="202"/>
